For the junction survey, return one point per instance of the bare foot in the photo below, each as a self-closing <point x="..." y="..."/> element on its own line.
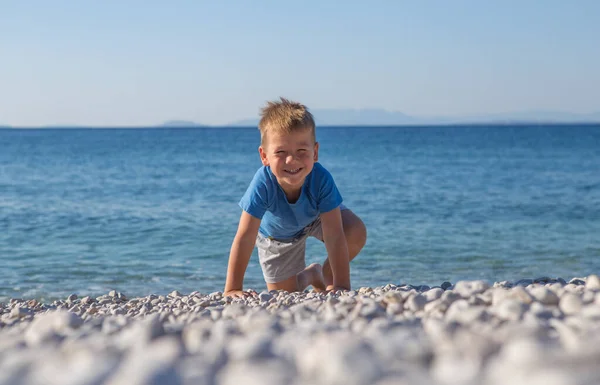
<point x="312" y="275"/>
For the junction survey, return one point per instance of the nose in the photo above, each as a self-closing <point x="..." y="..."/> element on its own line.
<point x="290" y="158"/>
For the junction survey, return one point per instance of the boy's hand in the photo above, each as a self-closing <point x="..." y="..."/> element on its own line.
<point x="241" y="249"/>
<point x="237" y="294"/>
<point x="337" y="247"/>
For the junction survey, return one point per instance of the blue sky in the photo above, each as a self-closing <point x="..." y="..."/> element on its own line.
<point x="131" y="63"/>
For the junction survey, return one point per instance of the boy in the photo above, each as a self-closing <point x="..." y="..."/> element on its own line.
<point x="290" y="198"/>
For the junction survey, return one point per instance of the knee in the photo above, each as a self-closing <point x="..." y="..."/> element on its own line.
<point x="356" y="233"/>
<point x="361" y="233"/>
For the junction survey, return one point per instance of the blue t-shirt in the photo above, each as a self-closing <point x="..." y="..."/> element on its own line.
<point x="266" y="200"/>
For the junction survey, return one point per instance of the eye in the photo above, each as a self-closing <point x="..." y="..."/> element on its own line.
<point x="302" y="150"/>
<point x="280" y="152"/>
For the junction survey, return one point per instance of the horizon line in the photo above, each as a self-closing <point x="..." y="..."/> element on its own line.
<point x="204" y="126"/>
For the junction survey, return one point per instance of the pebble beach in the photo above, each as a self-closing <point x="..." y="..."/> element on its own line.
<point x="531" y="331"/>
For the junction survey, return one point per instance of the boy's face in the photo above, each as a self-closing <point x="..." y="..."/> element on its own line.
<point x="291" y="157"/>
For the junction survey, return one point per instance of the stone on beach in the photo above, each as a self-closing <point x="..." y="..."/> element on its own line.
<point x="544" y="295"/>
<point x="468" y="288"/>
<point x="592" y="282"/>
<point x="570" y="303"/>
<point x="51" y="326"/>
<point x="469" y="333"/>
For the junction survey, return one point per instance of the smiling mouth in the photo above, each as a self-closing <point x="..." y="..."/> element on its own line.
<point x="293" y="171"/>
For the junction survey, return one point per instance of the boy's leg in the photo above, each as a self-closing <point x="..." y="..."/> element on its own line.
<point x="284" y="267"/>
<point x="356" y="237"/>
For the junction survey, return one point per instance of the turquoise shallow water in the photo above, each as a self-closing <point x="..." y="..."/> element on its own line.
<point x="152" y="210"/>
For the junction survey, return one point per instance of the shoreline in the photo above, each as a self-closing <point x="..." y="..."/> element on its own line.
<point x="473" y="332"/>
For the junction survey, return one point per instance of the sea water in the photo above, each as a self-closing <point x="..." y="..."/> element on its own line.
<point x="154" y="210"/>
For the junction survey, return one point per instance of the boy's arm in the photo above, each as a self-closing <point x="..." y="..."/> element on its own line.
<point x="337" y="248"/>
<point x="241" y="250"/>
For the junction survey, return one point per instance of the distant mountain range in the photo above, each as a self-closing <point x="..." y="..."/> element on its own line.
<point x="181" y="124"/>
<point x="380" y="117"/>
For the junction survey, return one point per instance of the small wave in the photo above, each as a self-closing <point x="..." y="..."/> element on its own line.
<point x="589" y="187"/>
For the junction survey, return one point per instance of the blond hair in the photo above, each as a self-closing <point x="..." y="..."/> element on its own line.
<point x="284" y="117"/>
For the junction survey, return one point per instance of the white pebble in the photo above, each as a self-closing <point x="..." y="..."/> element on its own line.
<point x="570" y="303"/>
<point x="592" y="282"/>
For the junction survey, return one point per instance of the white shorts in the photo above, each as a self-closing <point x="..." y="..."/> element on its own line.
<point x="283" y="259"/>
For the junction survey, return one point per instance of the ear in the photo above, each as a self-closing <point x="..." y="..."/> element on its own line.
<point x="316" y="156"/>
<point x="263" y="156"/>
